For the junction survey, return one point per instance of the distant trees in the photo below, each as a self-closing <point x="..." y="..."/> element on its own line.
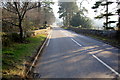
<point x="72" y="16"/>
<point x="79" y="20"/>
<point x="67" y="10"/>
<point x="48" y="12"/>
<point x="75" y="21"/>
<point x="38" y="16"/>
<point x="20" y="13"/>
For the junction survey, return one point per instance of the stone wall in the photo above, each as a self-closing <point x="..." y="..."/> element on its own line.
<point x="103" y="33"/>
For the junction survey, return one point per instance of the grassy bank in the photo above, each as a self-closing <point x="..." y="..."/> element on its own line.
<point x="109" y="41"/>
<point x="16" y="55"/>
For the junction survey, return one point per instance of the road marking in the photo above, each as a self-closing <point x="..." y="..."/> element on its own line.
<point x="76" y="42"/>
<point x="72" y="39"/>
<point x="110" y="68"/>
<point x="49" y="39"/>
<point x="106" y="65"/>
<point x="36" y="57"/>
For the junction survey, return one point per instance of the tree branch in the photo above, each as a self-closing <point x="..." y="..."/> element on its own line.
<point x="10" y="23"/>
<point x="16" y="7"/>
<point x="9" y="10"/>
<point x="34" y="6"/>
<point x="24" y="9"/>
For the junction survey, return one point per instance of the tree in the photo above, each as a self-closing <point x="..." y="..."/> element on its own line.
<point x="118" y="24"/>
<point x="71" y="14"/>
<point x="118" y="12"/>
<point x="67" y="10"/>
<point x="48" y="12"/>
<point x="79" y="20"/>
<point x="106" y="13"/>
<point x="7" y="27"/>
<point x="19" y="9"/>
<point x="75" y="21"/>
<point x="38" y="16"/>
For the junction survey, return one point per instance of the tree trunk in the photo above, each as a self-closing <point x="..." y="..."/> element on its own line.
<point x="21" y="31"/>
<point x="106" y="14"/>
<point x="118" y="25"/>
<point x="119" y="19"/>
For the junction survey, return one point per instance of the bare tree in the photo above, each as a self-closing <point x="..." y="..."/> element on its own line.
<point x="20" y="9"/>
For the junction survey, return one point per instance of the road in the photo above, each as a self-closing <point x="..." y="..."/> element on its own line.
<point x="71" y="55"/>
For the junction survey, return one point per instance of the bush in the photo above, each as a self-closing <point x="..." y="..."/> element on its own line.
<point x="15" y="37"/>
<point x="6" y="41"/>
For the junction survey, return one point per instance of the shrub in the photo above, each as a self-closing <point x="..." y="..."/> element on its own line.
<point x="15" y="37"/>
<point x="6" y="41"/>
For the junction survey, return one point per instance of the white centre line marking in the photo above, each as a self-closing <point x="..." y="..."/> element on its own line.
<point x="110" y="68"/>
<point x="72" y="39"/>
<point x="106" y="65"/>
<point x="76" y="42"/>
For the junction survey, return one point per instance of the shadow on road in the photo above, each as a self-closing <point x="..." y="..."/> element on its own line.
<point x="61" y="56"/>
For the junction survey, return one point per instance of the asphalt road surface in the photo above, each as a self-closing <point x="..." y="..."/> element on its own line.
<point x="71" y="55"/>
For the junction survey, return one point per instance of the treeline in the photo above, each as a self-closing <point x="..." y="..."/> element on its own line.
<point x="26" y="16"/>
<point x="73" y="16"/>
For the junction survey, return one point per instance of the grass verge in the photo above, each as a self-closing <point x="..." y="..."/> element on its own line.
<point x="109" y="41"/>
<point x="14" y="57"/>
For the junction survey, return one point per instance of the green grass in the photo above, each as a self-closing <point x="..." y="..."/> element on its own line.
<point x="65" y="28"/>
<point x="112" y="42"/>
<point x="17" y="54"/>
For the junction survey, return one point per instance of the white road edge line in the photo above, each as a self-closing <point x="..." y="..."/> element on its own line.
<point x="36" y="57"/>
<point x="106" y="65"/>
<point x="48" y="40"/>
<point x="76" y="42"/>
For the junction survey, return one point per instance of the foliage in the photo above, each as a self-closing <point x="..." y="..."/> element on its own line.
<point x="15" y="37"/>
<point x="76" y="20"/>
<point x="81" y="21"/>
<point x="19" y="9"/>
<point x="9" y="38"/>
<point x="71" y="15"/>
<point x="21" y="15"/>
<point x="67" y="11"/>
<point x="6" y="41"/>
